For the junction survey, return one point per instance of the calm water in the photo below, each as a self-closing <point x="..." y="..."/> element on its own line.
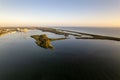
<point x="115" y="32"/>
<point x="71" y="59"/>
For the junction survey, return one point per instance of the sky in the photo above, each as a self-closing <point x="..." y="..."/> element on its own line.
<point x="98" y="13"/>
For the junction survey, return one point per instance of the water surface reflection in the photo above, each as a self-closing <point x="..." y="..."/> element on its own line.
<point x="73" y="59"/>
<point x="45" y="42"/>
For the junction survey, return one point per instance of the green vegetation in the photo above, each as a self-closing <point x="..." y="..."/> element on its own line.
<point x="78" y="35"/>
<point x="52" y="30"/>
<point x="5" y="31"/>
<point x="66" y="33"/>
<point x="45" y="42"/>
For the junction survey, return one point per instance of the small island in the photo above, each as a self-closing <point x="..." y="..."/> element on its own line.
<point x="45" y="42"/>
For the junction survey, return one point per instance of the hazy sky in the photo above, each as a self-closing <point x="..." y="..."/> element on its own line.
<point x="60" y="12"/>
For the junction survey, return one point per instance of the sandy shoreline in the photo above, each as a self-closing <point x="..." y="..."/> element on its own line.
<point x="77" y="35"/>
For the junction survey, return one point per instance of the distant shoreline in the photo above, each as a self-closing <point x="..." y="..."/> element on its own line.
<point x="78" y="35"/>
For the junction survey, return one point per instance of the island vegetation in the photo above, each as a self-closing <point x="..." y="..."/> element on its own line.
<point x="66" y="33"/>
<point x="45" y="42"/>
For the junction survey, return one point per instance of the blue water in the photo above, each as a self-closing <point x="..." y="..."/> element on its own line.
<point x="71" y="59"/>
<point x="115" y="32"/>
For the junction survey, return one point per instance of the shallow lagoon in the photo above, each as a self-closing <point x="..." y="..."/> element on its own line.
<point x="71" y="59"/>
